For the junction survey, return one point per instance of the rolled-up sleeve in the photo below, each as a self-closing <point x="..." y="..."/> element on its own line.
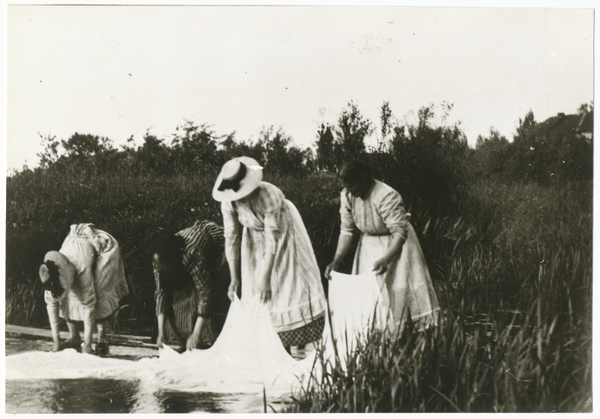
<point x="232" y="231"/>
<point x="347" y="226"/>
<point x="393" y="213"/>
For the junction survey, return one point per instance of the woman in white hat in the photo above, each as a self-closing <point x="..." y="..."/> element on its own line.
<point x="265" y="235"/>
<point x="83" y="281"/>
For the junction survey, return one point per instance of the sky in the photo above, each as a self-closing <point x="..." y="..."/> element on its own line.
<point x="122" y="71"/>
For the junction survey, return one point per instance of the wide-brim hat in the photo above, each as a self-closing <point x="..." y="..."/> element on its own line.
<point x="66" y="270"/>
<point x="239" y="177"/>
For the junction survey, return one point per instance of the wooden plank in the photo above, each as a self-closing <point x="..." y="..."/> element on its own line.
<point x="46" y="334"/>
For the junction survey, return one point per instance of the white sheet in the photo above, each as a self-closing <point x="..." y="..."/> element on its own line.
<point x="356" y="304"/>
<point x="247" y="357"/>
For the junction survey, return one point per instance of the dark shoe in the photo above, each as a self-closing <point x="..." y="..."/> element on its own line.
<point x="102" y="349"/>
<point x="69" y="344"/>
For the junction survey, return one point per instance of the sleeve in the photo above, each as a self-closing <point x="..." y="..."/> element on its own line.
<point x="52" y="306"/>
<point x="159" y="293"/>
<point x="197" y="265"/>
<point x="232" y="231"/>
<point x="393" y="213"/>
<point x="271" y="201"/>
<point x="347" y="226"/>
<point x="201" y="276"/>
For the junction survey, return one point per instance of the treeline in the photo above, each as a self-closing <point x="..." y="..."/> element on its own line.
<point x="431" y="163"/>
<point x="165" y="184"/>
<point x="506" y="228"/>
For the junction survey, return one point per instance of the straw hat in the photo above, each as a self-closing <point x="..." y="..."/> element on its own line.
<point x="238" y="178"/>
<point x="66" y="269"/>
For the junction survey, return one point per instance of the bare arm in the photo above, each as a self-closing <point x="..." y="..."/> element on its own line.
<point x="52" y="308"/>
<point x="234" y="285"/>
<point x="344" y="243"/>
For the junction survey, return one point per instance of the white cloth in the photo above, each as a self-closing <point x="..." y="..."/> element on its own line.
<point x="357" y="303"/>
<point x="247" y="357"/>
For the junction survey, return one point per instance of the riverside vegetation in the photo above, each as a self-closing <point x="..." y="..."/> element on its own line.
<point x="506" y="229"/>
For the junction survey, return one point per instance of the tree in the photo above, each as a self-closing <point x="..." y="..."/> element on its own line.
<point x="430" y="161"/>
<point x="586" y="108"/>
<point x="154" y="154"/>
<point x="85" y="145"/>
<point x="491" y="155"/>
<point x="550" y="153"/>
<point x="325" y="152"/>
<point x="352" y="130"/>
<point x="280" y="156"/>
<point x="386" y="123"/>
<point x="196" y="146"/>
<point x="50" y="154"/>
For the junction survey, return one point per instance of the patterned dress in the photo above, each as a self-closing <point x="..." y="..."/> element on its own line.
<point x="100" y="282"/>
<point x="202" y="289"/>
<point x="269" y="223"/>
<point x="407" y="279"/>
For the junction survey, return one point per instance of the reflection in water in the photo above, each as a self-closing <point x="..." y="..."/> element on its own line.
<point x="69" y="396"/>
<point x="93" y="395"/>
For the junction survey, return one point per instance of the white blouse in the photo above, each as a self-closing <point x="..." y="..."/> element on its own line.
<point x="381" y="213"/>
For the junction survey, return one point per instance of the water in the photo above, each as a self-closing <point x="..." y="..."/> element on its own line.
<point x="92" y="395"/>
<point x="117" y="396"/>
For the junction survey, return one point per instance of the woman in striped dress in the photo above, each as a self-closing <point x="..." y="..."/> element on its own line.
<point x="191" y="285"/>
<point x="265" y="236"/>
<point x="388" y="245"/>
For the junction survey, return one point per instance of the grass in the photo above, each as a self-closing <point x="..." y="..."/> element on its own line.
<point x="514" y="277"/>
<point x="529" y="365"/>
<point x="512" y="270"/>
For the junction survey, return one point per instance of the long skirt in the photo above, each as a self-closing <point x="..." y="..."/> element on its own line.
<point x="100" y="282"/>
<point x="185" y="312"/>
<point x="297" y="293"/>
<point x="407" y="279"/>
<point x="184" y="315"/>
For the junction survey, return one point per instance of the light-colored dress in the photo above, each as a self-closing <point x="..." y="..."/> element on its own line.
<point x="269" y="223"/>
<point x="407" y="279"/>
<point x="100" y="281"/>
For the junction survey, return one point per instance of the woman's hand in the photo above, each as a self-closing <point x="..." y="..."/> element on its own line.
<point x="264" y="286"/>
<point x="264" y="290"/>
<point x="233" y="289"/>
<point x="331" y="267"/>
<point x="192" y="341"/>
<point x="380" y="266"/>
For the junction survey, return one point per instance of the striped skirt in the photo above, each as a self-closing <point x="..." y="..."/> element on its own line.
<point x="185" y="312"/>
<point x="298" y="299"/>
